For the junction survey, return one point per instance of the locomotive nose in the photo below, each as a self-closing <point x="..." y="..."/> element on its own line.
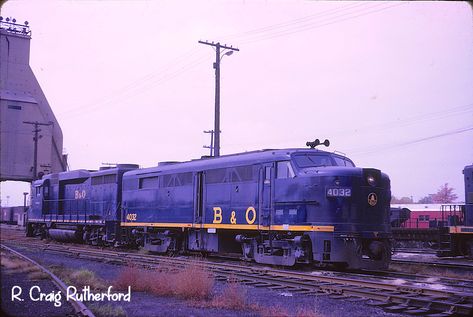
<point x="372" y="177"/>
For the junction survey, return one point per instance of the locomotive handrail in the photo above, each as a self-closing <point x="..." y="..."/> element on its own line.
<point x="80" y="209"/>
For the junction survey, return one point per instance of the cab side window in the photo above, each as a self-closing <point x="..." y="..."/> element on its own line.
<point x="46" y="192"/>
<point x="267" y="174"/>
<point x="284" y="170"/>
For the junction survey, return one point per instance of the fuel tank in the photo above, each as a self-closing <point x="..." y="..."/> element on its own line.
<point x="64" y="235"/>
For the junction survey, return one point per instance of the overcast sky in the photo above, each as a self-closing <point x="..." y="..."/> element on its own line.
<point x="389" y="83"/>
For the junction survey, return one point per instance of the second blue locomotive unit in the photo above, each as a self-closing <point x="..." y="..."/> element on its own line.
<point x="272" y="206"/>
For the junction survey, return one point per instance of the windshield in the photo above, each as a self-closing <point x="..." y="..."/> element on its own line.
<point x="317" y="160"/>
<point x="312" y="160"/>
<point x="342" y="161"/>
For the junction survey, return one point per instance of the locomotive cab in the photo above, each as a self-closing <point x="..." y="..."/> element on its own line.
<point x="326" y="211"/>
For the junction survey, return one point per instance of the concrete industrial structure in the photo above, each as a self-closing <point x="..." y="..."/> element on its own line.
<point x="30" y="136"/>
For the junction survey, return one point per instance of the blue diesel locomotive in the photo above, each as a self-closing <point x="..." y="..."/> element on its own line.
<point x="78" y="205"/>
<point x="272" y="206"/>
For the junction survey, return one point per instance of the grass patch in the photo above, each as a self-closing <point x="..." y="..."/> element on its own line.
<point x="38" y="275"/>
<point x="16" y="266"/>
<point x="192" y="282"/>
<point x="195" y="283"/>
<point x="79" y="278"/>
<point x="142" y="280"/>
<point x="234" y="296"/>
<point x="12" y="264"/>
<point x="85" y="277"/>
<point x="107" y="310"/>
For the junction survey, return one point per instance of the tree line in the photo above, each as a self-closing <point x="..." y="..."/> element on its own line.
<point x="444" y="195"/>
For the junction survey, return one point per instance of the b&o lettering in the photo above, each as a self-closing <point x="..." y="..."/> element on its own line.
<point x="250" y="215"/>
<point x="217" y="215"/>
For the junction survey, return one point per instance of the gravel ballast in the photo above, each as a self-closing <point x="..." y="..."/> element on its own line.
<point x="261" y="302"/>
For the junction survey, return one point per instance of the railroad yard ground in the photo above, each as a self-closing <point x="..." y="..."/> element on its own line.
<point x="156" y="293"/>
<point x="260" y="302"/>
<point x="249" y="301"/>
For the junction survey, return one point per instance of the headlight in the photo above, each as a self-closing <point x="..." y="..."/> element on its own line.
<point x="371" y="180"/>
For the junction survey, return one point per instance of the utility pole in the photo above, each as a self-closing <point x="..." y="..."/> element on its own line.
<point x="24" y="201"/>
<point x="211" y="147"/>
<point x="216" y="65"/>
<point x="35" y="138"/>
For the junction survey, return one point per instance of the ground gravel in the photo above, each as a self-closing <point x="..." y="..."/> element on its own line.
<point x="28" y="307"/>
<point x="261" y="302"/>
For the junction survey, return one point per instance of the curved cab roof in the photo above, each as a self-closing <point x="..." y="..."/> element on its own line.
<point x="239" y="159"/>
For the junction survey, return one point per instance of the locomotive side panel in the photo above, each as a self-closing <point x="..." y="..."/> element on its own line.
<point x="229" y="194"/>
<point x="80" y="204"/>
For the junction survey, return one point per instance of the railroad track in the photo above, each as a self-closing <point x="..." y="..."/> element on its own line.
<point x="468" y="268"/>
<point x="406" y="298"/>
<point x="417" y="251"/>
<point x="79" y="307"/>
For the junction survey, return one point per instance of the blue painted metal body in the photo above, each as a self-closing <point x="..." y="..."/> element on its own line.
<point x="275" y="206"/>
<point x="271" y="192"/>
<point x="236" y="182"/>
<point x="79" y="197"/>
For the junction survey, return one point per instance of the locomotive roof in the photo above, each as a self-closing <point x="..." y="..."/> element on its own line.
<point x="83" y="173"/>
<point x="223" y="161"/>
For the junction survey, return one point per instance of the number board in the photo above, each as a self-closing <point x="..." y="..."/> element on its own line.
<point x="338" y="192"/>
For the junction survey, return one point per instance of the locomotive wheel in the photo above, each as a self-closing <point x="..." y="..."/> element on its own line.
<point x="171" y="253"/>
<point x="29" y="230"/>
<point x="469" y="249"/>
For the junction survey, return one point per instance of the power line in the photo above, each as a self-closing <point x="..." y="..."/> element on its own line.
<point x="139" y="83"/>
<point x="285" y="28"/>
<point x="382" y="126"/>
<point x="437" y="115"/>
<point x="382" y="148"/>
<point x="143" y="87"/>
<point x="317" y="24"/>
<point x="289" y="22"/>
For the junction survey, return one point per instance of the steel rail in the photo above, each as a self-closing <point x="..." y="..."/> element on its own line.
<point x="79" y="307"/>
<point x="408" y="298"/>
<point x="112" y="254"/>
<point x="455" y="266"/>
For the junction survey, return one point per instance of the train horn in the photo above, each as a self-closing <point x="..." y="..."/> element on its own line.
<point x="317" y="142"/>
